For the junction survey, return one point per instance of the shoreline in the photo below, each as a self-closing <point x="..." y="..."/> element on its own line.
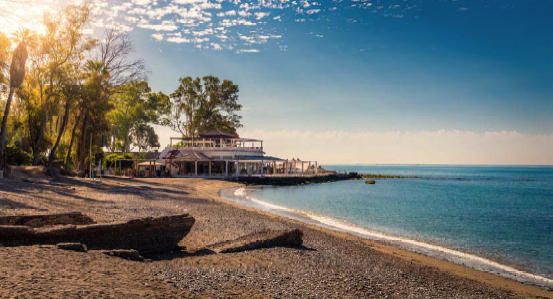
<point x="331" y="264"/>
<point x="508" y="277"/>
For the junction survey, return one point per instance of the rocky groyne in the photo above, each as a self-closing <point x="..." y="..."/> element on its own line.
<point x="272" y="180"/>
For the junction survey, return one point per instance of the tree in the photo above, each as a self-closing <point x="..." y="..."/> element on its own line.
<point x="17" y="74"/>
<point x="56" y="57"/>
<point x="145" y="137"/>
<point x="70" y="77"/>
<point x="134" y="107"/>
<point x="110" y="68"/>
<point x="5" y="44"/>
<point x="93" y="110"/>
<point x="75" y="91"/>
<point x="204" y="104"/>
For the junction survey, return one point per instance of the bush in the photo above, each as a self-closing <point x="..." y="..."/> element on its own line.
<point x="109" y="160"/>
<point x="16" y="156"/>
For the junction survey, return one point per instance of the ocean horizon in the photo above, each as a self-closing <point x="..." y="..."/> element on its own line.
<point x="495" y="218"/>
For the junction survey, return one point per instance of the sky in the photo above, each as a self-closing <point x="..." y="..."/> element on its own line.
<point x="356" y="81"/>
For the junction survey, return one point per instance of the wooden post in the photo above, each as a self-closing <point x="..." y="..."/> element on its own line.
<point x="209" y="168"/>
<point x="196" y="168"/>
<point x="316" y="168"/>
<point x="236" y="168"/>
<point x="262" y="172"/>
<point x="226" y="168"/>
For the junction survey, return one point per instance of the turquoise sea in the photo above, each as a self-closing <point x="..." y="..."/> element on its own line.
<point x="503" y="214"/>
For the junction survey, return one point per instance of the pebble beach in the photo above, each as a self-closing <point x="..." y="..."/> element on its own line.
<point x="329" y="265"/>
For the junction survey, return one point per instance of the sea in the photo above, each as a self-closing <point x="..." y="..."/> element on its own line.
<point x="493" y="218"/>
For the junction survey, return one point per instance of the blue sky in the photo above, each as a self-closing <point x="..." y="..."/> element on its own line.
<point x="337" y="68"/>
<point x="460" y="65"/>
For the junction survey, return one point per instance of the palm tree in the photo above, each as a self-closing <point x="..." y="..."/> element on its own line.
<point x="17" y="74"/>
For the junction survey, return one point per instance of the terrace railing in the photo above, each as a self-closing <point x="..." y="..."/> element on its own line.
<point x="242" y="144"/>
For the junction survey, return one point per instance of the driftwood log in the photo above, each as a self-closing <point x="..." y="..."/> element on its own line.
<point x="146" y="235"/>
<point x="75" y="218"/>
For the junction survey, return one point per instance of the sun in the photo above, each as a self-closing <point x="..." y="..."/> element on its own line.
<point x="16" y="15"/>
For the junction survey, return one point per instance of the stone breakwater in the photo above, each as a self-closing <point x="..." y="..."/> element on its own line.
<point x="296" y="180"/>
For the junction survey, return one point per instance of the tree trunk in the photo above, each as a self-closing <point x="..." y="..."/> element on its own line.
<point x="40" y="135"/>
<point x="4" y="127"/>
<point x="71" y="141"/>
<point x="43" y="122"/>
<point x="126" y="142"/>
<point x="52" y="155"/>
<point x="82" y="147"/>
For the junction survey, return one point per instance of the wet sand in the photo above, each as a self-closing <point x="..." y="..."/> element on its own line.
<point x="332" y="264"/>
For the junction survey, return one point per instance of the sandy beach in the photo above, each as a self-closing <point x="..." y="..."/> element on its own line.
<point x="330" y="265"/>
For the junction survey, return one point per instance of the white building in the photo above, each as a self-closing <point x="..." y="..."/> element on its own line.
<point x="220" y="154"/>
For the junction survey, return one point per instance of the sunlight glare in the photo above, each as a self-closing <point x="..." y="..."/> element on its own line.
<point x="26" y="14"/>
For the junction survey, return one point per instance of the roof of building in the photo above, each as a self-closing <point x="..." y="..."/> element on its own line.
<point x="151" y="163"/>
<point x="258" y="158"/>
<point x="216" y="133"/>
<point x="139" y="155"/>
<point x="185" y="156"/>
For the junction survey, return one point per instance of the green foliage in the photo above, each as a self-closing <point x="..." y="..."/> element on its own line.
<point x="204" y="104"/>
<point x="145" y="137"/>
<point x="16" y="156"/>
<point x="135" y="106"/>
<point x="125" y="160"/>
<point x="77" y="94"/>
<point x="5" y="44"/>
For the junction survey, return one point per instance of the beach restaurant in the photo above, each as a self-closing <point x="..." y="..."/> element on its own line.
<point x="220" y="154"/>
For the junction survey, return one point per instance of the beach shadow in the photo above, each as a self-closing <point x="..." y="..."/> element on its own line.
<point x="10" y="204"/>
<point x="36" y="190"/>
<point x="304" y="248"/>
<point x="149" y="190"/>
<point x="183" y="253"/>
<point x="176" y="254"/>
<point x="66" y="186"/>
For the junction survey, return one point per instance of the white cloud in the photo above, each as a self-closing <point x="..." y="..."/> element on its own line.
<point x="157" y="36"/>
<point x="216" y="46"/>
<point x="178" y="39"/>
<point x="248" y="51"/>
<point x="164" y="26"/>
<point x="260" y="15"/>
<point x="191" y="21"/>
